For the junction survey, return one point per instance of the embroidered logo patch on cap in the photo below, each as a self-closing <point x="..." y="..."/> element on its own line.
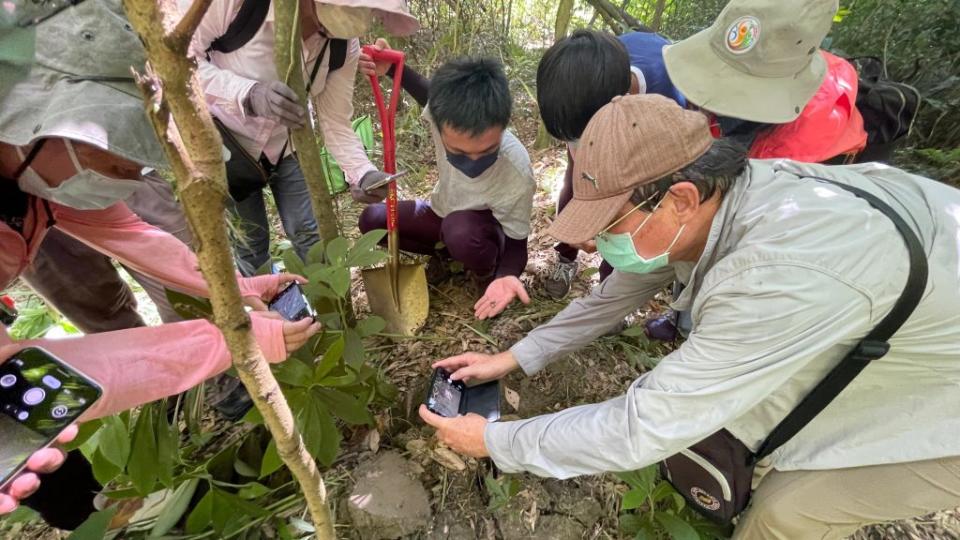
<point x="743" y="34"/>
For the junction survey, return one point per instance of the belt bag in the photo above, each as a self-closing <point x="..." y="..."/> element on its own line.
<point x="246" y="175"/>
<point x="715" y="475"/>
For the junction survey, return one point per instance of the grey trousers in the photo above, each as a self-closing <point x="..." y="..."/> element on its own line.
<point x="84" y="286"/>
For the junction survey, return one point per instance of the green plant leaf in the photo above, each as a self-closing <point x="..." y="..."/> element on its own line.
<point x="678" y="528"/>
<point x="271" y="460"/>
<point x="344" y="406"/>
<point x="174" y="508"/>
<point x="253" y="490"/>
<point x="316" y="289"/>
<point x="364" y="245"/>
<point x="315" y="255"/>
<point x="633" y="499"/>
<point x="371" y="325"/>
<point x="293" y="372"/>
<point x="142" y="467"/>
<point x="643" y="479"/>
<point x="662" y="491"/>
<point x="200" y="517"/>
<point x="337" y="250"/>
<point x="353" y="353"/>
<point x="103" y="469"/>
<point x="369" y="258"/>
<point x="95" y="527"/>
<point x="330" y="359"/>
<point x="244" y="469"/>
<point x="630" y="524"/>
<point x="88" y="431"/>
<point x="292" y="263"/>
<point x="634" y="331"/>
<point x="189" y="307"/>
<point x="319" y="431"/>
<point x="115" y="441"/>
<point x="340" y="281"/>
<point x="168" y="450"/>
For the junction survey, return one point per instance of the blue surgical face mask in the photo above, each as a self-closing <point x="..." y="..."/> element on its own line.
<point x="472" y="167"/>
<point x="618" y="249"/>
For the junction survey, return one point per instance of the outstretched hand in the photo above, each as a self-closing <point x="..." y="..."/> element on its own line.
<point x="478" y="367"/>
<point x="498" y="296"/>
<point x="260" y="304"/>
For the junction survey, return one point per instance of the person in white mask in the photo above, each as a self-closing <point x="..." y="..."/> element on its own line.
<point x="257" y="110"/>
<point x="74" y="138"/>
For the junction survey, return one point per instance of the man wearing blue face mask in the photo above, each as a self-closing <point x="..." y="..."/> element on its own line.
<point x="792" y="271"/>
<point x="480" y="207"/>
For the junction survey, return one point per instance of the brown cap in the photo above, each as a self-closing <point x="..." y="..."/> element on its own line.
<point x="631" y="141"/>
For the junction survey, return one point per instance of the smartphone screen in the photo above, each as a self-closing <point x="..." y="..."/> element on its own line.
<point x="292" y="304"/>
<point x="39" y="397"/>
<point x="445" y="395"/>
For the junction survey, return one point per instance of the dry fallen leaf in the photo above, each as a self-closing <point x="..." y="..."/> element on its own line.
<point x="373" y="440"/>
<point x="447" y="458"/>
<point x="513" y="398"/>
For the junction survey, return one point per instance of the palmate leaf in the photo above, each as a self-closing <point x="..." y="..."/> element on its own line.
<point x="344" y="406"/>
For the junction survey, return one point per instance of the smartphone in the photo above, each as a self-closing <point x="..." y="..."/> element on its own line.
<point x="445" y="395"/>
<point x="40" y="396"/>
<point x="292" y="304"/>
<point x="385" y="180"/>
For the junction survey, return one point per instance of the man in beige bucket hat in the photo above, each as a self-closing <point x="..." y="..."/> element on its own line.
<point x="785" y="273"/>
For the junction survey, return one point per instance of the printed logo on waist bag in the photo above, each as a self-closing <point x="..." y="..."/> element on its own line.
<point x="705" y="499"/>
<point x="743" y="35"/>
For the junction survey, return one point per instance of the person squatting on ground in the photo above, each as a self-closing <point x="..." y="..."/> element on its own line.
<point x="481" y="204"/>
<point x="578" y="75"/>
<point x="784" y="274"/>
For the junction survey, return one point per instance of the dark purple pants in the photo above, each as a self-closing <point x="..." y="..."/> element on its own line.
<point x="566" y="250"/>
<point x="473" y="237"/>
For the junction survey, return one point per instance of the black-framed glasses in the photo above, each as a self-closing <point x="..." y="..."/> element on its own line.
<point x="29" y="13"/>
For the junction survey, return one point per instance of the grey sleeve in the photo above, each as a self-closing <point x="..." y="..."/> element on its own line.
<point x="588" y="318"/>
<point x="747" y="345"/>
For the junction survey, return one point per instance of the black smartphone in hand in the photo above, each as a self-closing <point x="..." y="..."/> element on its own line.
<point x="450" y="398"/>
<point x="292" y="304"/>
<point x="40" y="396"/>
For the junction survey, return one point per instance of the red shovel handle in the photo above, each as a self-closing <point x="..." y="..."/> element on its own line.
<point x="387" y="122"/>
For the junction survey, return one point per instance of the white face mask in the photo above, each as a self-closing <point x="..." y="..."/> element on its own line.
<point x="344" y="22"/>
<point x="85" y="190"/>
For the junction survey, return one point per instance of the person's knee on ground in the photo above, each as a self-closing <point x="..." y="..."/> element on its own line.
<point x="373" y="217"/>
<point x="474" y="239"/>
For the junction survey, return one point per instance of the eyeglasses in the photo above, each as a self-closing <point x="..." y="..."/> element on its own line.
<point x="29" y="13"/>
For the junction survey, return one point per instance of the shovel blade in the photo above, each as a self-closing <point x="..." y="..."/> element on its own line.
<point x="411" y="296"/>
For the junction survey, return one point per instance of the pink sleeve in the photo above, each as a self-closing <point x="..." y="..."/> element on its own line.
<point x="141" y="365"/>
<point x="121" y="234"/>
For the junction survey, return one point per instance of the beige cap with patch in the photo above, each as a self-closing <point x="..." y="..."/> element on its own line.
<point x="758" y="61"/>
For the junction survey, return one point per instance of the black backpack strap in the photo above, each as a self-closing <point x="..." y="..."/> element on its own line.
<point x="873" y="346"/>
<point x="245" y="25"/>
<point x="338" y="54"/>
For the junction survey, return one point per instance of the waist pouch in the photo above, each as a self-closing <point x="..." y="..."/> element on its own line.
<point x="715" y="475"/>
<point x="246" y="175"/>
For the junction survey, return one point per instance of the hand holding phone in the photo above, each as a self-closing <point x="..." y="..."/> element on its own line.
<point x="449" y="398"/>
<point x="292" y="304"/>
<point x="40" y="397"/>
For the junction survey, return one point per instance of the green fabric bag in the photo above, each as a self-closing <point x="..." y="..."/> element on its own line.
<point x="363" y="127"/>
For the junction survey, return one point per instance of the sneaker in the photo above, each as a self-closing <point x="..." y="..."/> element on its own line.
<point x="230" y="398"/>
<point x="663" y="328"/>
<point x="558" y="284"/>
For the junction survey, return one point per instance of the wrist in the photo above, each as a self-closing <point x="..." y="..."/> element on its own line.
<point x="507" y="361"/>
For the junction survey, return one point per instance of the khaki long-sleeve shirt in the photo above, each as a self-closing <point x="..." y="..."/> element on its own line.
<point x="794" y="273"/>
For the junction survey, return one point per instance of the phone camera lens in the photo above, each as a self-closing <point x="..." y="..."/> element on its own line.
<point x="8" y="380"/>
<point x="22" y="416"/>
<point x="34" y="396"/>
<point x="59" y="411"/>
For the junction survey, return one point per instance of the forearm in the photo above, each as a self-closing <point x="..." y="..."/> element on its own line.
<point x="514" y="258"/>
<point x="587" y="318"/>
<point x="141" y="365"/>
<point x="414" y="83"/>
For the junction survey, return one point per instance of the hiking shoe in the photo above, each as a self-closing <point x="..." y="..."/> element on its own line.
<point x="230" y="398"/>
<point x="663" y="328"/>
<point x="558" y="284"/>
<point x="438" y="270"/>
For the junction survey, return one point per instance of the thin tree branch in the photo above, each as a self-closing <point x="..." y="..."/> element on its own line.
<point x="184" y="30"/>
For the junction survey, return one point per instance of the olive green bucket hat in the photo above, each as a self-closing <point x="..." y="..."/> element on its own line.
<point x="758" y="61"/>
<point x="80" y="86"/>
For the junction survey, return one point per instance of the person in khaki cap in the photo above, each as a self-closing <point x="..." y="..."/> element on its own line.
<point x="784" y="274"/>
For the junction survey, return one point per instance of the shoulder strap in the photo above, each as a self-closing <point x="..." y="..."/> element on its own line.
<point x="244" y="26"/>
<point x="338" y="54"/>
<point x="873" y="346"/>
